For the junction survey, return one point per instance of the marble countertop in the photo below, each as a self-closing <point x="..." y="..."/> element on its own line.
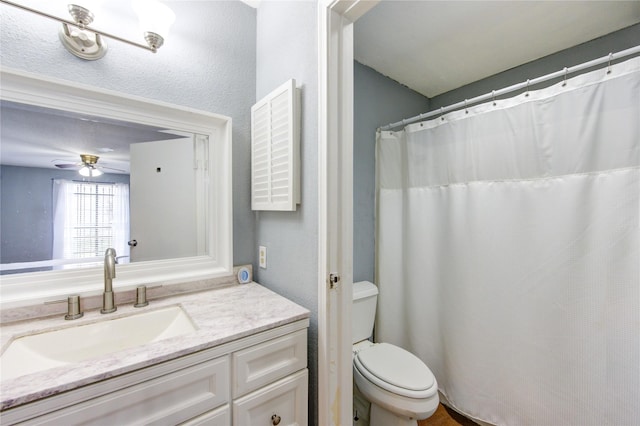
<point x="220" y="315"/>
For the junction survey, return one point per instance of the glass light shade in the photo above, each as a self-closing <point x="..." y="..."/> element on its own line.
<point x="155" y="17"/>
<point x="89" y="171"/>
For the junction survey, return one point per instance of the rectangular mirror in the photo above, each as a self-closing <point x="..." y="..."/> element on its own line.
<point x="84" y="169"/>
<point x="54" y="217"/>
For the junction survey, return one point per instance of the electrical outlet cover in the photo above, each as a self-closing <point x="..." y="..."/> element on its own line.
<point x="262" y="257"/>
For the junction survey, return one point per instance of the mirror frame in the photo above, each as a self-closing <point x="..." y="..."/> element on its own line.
<point x="38" y="287"/>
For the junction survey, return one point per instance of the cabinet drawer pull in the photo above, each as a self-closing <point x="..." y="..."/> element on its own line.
<point x="275" y="420"/>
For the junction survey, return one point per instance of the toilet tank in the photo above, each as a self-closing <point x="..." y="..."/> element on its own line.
<point x="363" y="314"/>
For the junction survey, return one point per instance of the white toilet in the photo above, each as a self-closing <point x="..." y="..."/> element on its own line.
<point x="399" y="386"/>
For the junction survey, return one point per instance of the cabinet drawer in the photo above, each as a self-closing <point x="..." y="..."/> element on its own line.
<point x="170" y="399"/>
<point x="269" y="361"/>
<point x="218" y="417"/>
<point x="286" y="399"/>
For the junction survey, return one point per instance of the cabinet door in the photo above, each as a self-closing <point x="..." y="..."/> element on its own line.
<point x="283" y="403"/>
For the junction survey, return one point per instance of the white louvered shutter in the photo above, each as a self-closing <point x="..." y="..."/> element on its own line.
<point x="275" y="150"/>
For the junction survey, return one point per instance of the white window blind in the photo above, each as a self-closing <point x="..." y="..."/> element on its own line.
<point x="92" y="233"/>
<point x="275" y="150"/>
<point x="89" y="218"/>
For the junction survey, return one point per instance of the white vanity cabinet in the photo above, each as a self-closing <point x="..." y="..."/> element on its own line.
<point x="270" y="382"/>
<point x="261" y="379"/>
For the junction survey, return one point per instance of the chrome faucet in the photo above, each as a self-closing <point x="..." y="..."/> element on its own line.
<point x="108" y="302"/>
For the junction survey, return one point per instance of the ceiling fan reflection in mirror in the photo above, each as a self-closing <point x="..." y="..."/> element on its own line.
<point x="88" y="166"/>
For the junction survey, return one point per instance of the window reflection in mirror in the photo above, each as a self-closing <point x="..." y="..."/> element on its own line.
<point x="145" y="195"/>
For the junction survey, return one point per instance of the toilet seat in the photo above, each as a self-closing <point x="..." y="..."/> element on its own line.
<point x="395" y="370"/>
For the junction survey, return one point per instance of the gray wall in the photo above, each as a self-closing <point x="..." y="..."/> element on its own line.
<point x="614" y="42"/>
<point x="26" y="211"/>
<point x="370" y="112"/>
<point x="208" y="62"/>
<point x="378" y="100"/>
<point x="287" y="48"/>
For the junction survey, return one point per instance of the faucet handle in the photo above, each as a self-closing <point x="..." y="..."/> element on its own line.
<point x="141" y="297"/>
<point x="74" y="310"/>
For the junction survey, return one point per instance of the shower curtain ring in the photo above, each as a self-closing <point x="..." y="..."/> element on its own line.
<point x="564" y="82"/>
<point x="442" y="113"/>
<point x="466" y="111"/>
<point x="493" y="97"/>
<point x="609" y="63"/>
<point x="527" y="94"/>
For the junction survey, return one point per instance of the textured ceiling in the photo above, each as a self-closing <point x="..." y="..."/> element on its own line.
<point x="437" y="46"/>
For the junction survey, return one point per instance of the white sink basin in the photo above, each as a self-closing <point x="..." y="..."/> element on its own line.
<point x="49" y="349"/>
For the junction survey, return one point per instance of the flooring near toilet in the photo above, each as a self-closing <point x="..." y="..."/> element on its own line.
<point x="445" y="416"/>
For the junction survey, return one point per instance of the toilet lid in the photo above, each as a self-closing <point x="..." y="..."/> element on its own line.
<point x="395" y="366"/>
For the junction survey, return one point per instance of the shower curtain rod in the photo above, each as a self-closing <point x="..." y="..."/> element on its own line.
<point x="513" y="88"/>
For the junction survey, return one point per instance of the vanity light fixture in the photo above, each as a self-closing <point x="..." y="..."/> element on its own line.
<point x="87" y="43"/>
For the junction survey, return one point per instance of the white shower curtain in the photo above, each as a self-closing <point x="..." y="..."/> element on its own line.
<point x="508" y="252"/>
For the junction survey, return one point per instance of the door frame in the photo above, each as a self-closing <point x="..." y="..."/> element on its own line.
<point x="335" y="206"/>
